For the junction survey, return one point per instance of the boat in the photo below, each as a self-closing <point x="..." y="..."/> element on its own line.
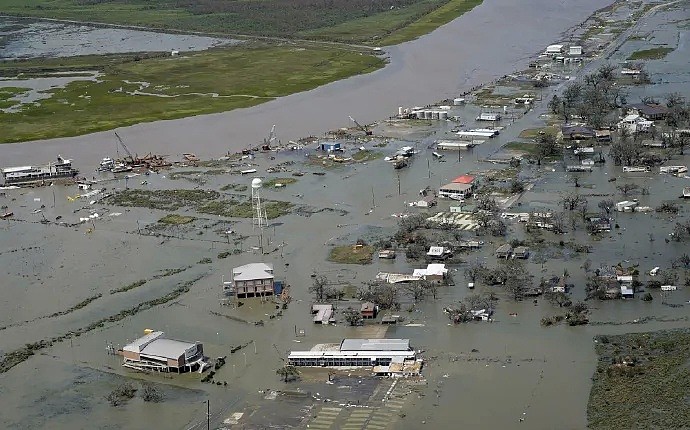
<point x="106" y="165"/>
<point x="457" y="197"/>
<point x="190" y="156"/>
<point x="7" y="215"/>
<point x="62" y="168"/>
<point x="437" y="155"/>
<point x="248" y="171"/>
<point x="121" y="168"/>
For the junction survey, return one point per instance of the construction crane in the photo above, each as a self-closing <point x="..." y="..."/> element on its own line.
<point x="129" y="154"/>
<point x="366" y="131"/>
<point x="268" y="143"/>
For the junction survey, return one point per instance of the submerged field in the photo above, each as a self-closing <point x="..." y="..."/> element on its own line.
<point x="345" y="20"/>
<point x="131" y="89"/>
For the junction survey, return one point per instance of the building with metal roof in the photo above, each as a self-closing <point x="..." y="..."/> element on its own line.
<point x="156" y="352"/>
<point x="355" y="353"/>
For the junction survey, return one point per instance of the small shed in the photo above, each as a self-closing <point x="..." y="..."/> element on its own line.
<point x="627" y="292"/>
<point x="504" y="251"/>
<point x="330" y="146"/>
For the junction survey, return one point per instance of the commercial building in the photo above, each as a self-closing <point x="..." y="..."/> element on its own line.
<point x="355" y="353"/>
<point x="156" y="352"/>
<point x="456" y="191"/>
<point x="253" y="280"/>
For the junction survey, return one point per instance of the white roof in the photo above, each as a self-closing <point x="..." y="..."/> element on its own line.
<point x="626" y="290"/>
<point x="16" y="169"/>
<point x="139" y="344"/>
<point x="154" y="344"/>
<point x="435" y="250"/>
<point x="167" y="348"/>
<point x="431" y="270"/>
<point x="375" y="345"/>
<point x="252" y="271"/>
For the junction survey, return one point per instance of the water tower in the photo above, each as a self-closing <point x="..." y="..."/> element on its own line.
<point x="259" y="218"/>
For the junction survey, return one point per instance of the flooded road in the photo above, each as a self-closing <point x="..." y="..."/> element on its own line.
<point x="477" y="47"/>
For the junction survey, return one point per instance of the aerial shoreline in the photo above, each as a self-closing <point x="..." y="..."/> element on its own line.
<point x="297" y="115"/>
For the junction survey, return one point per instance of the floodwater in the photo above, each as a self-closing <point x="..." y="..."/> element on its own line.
<point x="519" y="369"/>
<point x="475" y="48"/>
<point x="25" y="38"/>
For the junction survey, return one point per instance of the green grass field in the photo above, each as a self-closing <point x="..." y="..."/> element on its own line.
<point x="385" y="22"/>
<point x="192" y="84"/>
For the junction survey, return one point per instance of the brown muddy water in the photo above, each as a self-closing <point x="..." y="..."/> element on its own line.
<point x="487" y="375"/>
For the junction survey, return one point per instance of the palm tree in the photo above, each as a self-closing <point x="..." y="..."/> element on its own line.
<point x="288" y="372"/>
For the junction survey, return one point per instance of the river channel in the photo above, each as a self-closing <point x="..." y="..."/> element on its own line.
<point x="479" y="46"/>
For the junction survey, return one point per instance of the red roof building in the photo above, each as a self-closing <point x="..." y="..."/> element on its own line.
<point x="464" y="179"/>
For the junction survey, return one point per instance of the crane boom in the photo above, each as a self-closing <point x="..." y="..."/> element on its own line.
<point x="361" y="127"/>
<point x="124" y="146"/>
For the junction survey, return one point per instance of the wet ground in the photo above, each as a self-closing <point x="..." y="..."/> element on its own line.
<point x="26" y="38"/>
<point x="489" y="375"/>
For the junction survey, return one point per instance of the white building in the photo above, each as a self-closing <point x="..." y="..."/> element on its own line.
<point x="355" y="353"/>
<point x="253" y="280"/>
<point x="634" y="123"/>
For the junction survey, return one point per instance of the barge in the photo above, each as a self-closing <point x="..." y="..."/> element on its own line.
<point x="62" y="168"/>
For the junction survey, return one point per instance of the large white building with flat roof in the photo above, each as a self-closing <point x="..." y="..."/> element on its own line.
<point x="355" y="353"/>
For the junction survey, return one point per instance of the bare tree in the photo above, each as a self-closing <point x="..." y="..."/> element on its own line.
<point x="606" y="206"/>
<point x="517" y="279"/>
<point x="319" y="288"/>
<point x="627" y="188"/>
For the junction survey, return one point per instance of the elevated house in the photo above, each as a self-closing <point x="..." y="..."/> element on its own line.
<point x="155" y="352"/>
<point x="368" y="310"/>
<point x="504" y="251"/>
<point x="456" y="191"/>
<point x="253" y="280"/>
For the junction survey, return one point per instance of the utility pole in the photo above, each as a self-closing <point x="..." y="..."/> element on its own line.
<point x="208" y="414"/>
<point x="428" y="166"/>
<point x="398" y="182"/>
